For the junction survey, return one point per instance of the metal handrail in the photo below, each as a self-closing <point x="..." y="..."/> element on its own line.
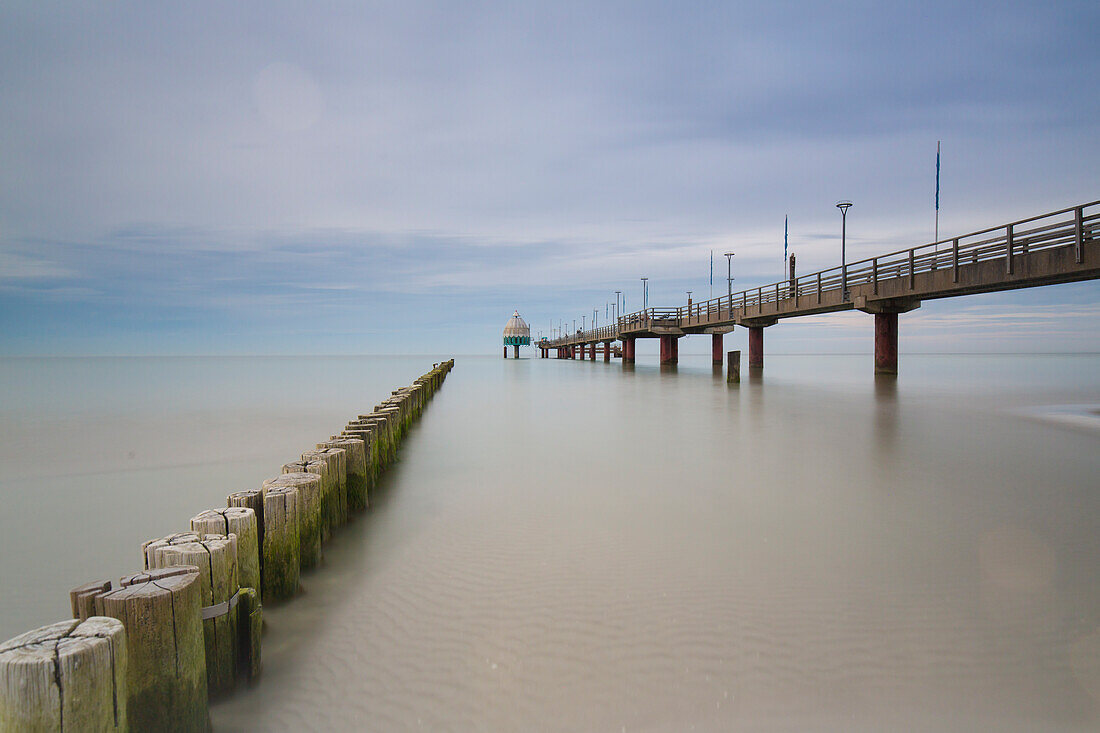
<point x="1009" y="240"/>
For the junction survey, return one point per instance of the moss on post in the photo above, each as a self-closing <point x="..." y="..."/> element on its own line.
<point x="335" y="459"/>
<point x="309" y="513"/>
<point x="166" y="667"/>
<point x="355" y="459"/>
<point x="281" y="563"/>
<point x="251" y="622"/>
<point x="216" y="558"/>
<point x="321" y="468"/>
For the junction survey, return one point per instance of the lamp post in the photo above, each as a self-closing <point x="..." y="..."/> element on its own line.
<point x="617" y="294"/>
<point x="729" y="280"/>
<point x="843" y="206"/>
<point x="645" y="292"/>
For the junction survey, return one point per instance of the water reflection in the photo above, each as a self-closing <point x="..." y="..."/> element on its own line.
<point x="886" y="413"/>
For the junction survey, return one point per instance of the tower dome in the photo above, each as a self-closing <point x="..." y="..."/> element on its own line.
<point x="517" y="333"/>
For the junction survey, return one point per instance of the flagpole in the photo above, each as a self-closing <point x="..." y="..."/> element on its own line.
<point x="937" y="195"/>
<point x="784" y="245"/>
<point x="712" y="273"/>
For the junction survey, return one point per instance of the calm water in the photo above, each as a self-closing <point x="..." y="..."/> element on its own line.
<point x="575" y="546"/>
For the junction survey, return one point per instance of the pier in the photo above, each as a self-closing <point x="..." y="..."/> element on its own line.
<point x="1058" y="247"/>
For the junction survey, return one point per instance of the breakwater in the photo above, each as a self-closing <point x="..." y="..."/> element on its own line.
<point x="149" y="652"/>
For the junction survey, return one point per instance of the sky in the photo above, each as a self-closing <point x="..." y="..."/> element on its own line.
<point x="398" y="177"/>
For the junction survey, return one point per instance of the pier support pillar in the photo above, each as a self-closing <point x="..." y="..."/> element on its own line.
<point x="670" y="349"/>
<point x="886" y="343"/>
<point x="756" y="348"/>
<point x="607" y="351"/>
<point x="716" y="349"/>
<point x="886" y="329"/>
<point x="628" y="351"/>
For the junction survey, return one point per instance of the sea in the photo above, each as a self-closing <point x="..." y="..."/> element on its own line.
<point x="590" y="546"/>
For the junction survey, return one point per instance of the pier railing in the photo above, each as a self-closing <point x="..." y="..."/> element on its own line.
<point x="1066" y="228"/>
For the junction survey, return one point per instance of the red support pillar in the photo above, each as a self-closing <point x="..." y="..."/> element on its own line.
<point x="670" y="350"/>
<point x="716" y="349"/>
<point x="628" y="351"/>
<point x="505" y="352"/>
<point x="607" y="351"/>
<point x="756" y="348"/>
<point x="592" y="351"/>
<point x="886" y="343"/>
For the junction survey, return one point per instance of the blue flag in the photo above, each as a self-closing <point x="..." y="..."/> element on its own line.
<point x="937" y="176"/>
<point x="784" y="239"/>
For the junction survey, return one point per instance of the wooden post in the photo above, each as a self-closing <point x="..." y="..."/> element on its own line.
<point x="252" y="499"/>
<point x="365" y="434"/>
<point x="82" y="598"/>
<point x="733" y="367"/>
<point x="355" y="457"/>
<point x="309" y="513"/>
<point x="68" y="676"/>
<point x="216" y="558"/>
<point x="240" y="521"/>
<point x="281" y="564"/>
<point x="325" y="512"/>
<point x="149" y="548"/>
<point x="1008" y="249"/>
<point x="166" y="664"/>
<point x="250" y="617"/>
<point x="338" y="481"/>
<point x="955" y="260"/>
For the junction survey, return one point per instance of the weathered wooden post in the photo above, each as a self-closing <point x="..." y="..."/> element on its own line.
<point x="336" y="458"/>
<point x="250" y="616"/>
<point x="733" y="367"/>
<point x="321" y="468"/>
<point x="216" y="558"/>
<point x="68" y="676"/>
<point x="251" y="499"/>
<point x="82" y="598"/>
<point x="149" y="547"/>
<point x="166" y="666"/>
<point x="240" y="521"/>
<point x="309" y="513"/>
<point x="364" y="434"/>
<point x="281" y="563"/>
<point x="355" y="458"/>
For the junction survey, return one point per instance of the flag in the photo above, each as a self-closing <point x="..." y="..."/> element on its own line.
<point x="937" y="175"/>
<point x="784" y="238"/>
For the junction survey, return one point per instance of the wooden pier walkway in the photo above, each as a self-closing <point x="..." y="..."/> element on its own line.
<point x="1059" y="247"/>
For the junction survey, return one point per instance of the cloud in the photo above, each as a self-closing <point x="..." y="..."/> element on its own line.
<point x="274" y="157"/>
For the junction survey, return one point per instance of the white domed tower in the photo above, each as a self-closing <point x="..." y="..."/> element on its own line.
<point x="517" y="333"/>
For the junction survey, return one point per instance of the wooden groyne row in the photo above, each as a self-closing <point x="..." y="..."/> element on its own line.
<point x="150" y="653"/>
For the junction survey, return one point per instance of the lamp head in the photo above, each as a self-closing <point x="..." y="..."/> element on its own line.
<point x="843" y="206"/>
